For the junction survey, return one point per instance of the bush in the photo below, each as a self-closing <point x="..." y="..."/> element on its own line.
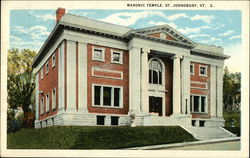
<point x="73" y="137"/>
<point x="234" y="130"/>
<point x="13" y="124"/>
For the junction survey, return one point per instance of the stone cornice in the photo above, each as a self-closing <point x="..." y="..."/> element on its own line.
<point x="209" y="54"/>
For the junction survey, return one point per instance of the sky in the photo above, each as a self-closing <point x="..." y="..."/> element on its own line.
<point x="30" y="28"/>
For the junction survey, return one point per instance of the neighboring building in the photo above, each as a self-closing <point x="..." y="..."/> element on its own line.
<point x="92" y="73"/>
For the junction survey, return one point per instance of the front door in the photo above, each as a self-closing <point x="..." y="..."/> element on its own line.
<point x="155" y="105"/>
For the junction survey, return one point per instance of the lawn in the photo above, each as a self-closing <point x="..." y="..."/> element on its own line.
<point x="228" y="116"/>
<point x="75" y="137"/>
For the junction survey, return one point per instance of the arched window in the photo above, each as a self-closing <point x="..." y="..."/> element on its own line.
<point x="155" y="72"/>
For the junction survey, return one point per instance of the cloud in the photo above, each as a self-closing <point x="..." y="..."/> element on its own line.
<point x="228" y="33"/>
<point x="235" y="51"/>
<point x="130" y="18"/>
<point x="157" y="23"/>
<point x="188" y="30"/>
<point x="177" y="16"/>
<point x="199" y="35"/>
<point x="15" y="38"/>
<point x="46" y="17"/>
<point x="235" y="37"/>
<point x="205" y="18"/>
<point x="36" y="32"/>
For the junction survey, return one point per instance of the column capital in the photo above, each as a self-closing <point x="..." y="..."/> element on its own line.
<point x="145" y="50"/>
<point x="178" y="57"/>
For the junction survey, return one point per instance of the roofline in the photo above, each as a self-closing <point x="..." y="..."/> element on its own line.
<point x="209" y="54"/>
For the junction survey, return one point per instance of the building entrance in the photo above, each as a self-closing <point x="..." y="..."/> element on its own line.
<point x="155" y="105"/>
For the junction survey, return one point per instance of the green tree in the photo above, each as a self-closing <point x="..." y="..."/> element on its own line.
<point x="21" y="79"/>
<point x="231" y="89"/>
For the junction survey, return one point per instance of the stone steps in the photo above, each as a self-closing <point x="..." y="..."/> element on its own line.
<point x="205" y="133"/>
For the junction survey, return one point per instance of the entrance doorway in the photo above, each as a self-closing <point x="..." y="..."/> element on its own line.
<point x="155" y="105"/>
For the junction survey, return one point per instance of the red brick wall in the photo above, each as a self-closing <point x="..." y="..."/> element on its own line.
<point x="47" y="84"/>
<point x="107" y="65"/>
<point x="204" y="79"/>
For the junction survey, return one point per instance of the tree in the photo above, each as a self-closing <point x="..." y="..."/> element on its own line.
<point x="21" y="80"/>
<point x="231" y="89"/>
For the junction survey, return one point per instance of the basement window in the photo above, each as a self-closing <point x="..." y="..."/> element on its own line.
<point x="100" y="120"/>
<point x="114" y="120"/>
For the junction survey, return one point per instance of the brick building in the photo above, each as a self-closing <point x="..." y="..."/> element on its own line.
<point x="92" y="73"/>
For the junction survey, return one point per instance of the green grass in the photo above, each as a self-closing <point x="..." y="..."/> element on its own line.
<point x="228" y="116"/>
<point x="73" y="137"/>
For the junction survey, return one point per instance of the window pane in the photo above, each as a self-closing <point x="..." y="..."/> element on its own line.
<point x="191" y="103"/>
<point x="150" y="76"/>
<point x="116" y="57"/>
<point x="114" y="120"/>
<point x="116" y="96"/>
<point x="160" y="77"/>
<point x="191" y="69"/>
<point x="97" y="54"/>
<point x="97" y="95"/>
<point x="107" y="96"/>
<point x="100" y="120"/>
<point x="54" y="99"/>
<point x="203" y="70"/>
<point x="155" y="77"/>
<point x="151" y="103"/>
<point x="196" y="103"/>
<point x="203" y="104"/>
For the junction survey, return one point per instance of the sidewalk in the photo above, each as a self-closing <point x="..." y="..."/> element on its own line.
<point x="215" y="144"/>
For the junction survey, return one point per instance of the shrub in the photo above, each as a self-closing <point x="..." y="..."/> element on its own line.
<point x="73" y="137"/>
<point x="13" y="124"/>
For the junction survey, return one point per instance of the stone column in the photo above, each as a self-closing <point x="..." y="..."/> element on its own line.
<point x="61" y="77"/>
<point x="82" y="77"/>
<point x="219" y="92"/>
<point x="144" y="81"/>
<point x="213" y="104"/>
<point x="185" y="67"/>
<point x="37" y="95"/>
<point x="177" y="86"/>
<point x="134" y="80"/>
<point x="71" y="76"/>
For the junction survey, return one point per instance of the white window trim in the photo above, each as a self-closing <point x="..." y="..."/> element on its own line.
<point x="53" y="60"/>
<point x="200" y="66"/>
<point x="112" y="96"/>
<point x="41" y="105"/>
<point x="103" y="54"/>
<point x="206" y="104"/>
<point x="47" y="67"/>
<point x="41" y="73"/>
<point x="192" y="73"/>
<point x="163" y="74"/>
<point x="53" y="100"/>
<point x="47" y="102"/>
<point x="121" y="56"/>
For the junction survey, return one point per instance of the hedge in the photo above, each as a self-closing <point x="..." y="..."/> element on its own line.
<point x="75" y="137"/>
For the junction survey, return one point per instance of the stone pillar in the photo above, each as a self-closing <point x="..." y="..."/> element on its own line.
<point x="61" y="77"/>
<point x="37" y="95"/>
<point x="82" y="77"/>
<point x="177" y="86"/>
<point x="134" y="80"/>
<point x="144" y="81"/>
<point x="71" y="76"/>
<point x="219" y="92"/>
<point x="213" y="103"/>
<point x="185" y="88"/>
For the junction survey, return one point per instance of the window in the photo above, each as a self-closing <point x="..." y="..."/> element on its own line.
<point x="114" y="120"/>
<point x="116" y="57"/>
<point x="47" y="102"/>
<point x="107" y="96"/>
<point x="100" y="120"/>
<point x="47" y="67"/>
<point x="42" y="73"/>
<point x="192" y="69"/>
<point x="155" y="72"/>
<point x="203" y="71"/>
<point x="53" y="60"/>
<point x="198" y="104"/>
<point x="42" y="106"/>
<point x="98" y="54"/>
<point x="54" y="98"/>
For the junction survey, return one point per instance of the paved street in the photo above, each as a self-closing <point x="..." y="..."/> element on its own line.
<point x="232" y="145"/>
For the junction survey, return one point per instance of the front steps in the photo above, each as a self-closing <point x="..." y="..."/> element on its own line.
<point x="205" y="133"/>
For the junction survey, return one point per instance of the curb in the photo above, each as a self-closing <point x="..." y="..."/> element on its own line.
<point x="152" y="147"/>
